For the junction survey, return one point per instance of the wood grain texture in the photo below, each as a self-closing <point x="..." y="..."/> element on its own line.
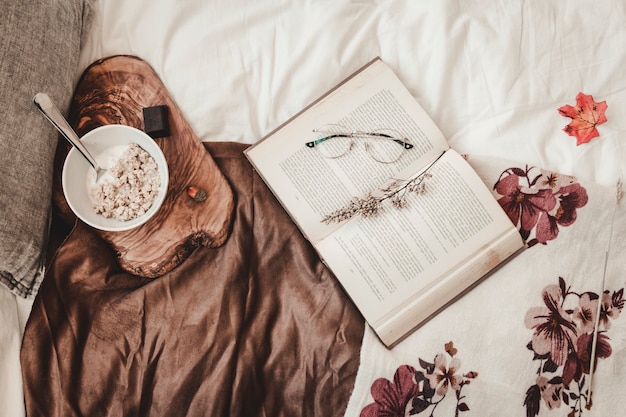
<point x="115" y="90"/>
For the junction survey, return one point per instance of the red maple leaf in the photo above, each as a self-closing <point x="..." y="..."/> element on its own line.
<point x="586" y="115"/>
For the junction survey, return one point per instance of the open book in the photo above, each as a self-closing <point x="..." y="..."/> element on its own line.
<point x="401" y="265"/>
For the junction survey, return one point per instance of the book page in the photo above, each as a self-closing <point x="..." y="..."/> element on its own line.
<point x="387" y="260"/>
<point x="310" y="185"/>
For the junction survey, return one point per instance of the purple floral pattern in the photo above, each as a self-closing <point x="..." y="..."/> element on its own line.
<point x="413" y="391"/>
<point x="539" y="202"/>
<point x="562" y="341"/>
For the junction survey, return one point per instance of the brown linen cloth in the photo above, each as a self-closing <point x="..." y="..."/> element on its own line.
<point x="256" y="327"/>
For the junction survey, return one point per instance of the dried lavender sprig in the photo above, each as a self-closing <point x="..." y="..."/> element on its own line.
<point x="396" y="192"/>
<point x="367" y="206"/>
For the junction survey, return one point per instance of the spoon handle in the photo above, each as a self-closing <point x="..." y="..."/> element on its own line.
<point x="50" y="111"/>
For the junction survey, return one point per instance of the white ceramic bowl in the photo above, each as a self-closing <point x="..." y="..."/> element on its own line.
<point x="77" y="174"/>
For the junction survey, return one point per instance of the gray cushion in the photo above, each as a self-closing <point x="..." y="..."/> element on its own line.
<point x="39" y="50"/>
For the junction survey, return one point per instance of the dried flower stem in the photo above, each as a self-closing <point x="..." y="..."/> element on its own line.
<point x="370" y="205"/>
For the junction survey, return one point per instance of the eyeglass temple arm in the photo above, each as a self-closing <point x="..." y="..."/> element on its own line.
<point x="402" y="142"/>
<point x="325" y="138"/>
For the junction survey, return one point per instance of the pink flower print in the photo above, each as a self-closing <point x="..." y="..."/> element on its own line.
<point x="523" y="207"/>
<point x="563" y="342"/>
<point x="579" y="361"/>
<point x="571" y="197"/>
<point x="391" y="398"/>
<point x="585" y="313"/>
<point x="550" y="393"/>
<point x="415" y="391"/>
<point x="584" y="347"/>
<point x="573" y="369"/>
<point x="444" y="375"/>
<point x="539" y="202"/>
<point x="568" y="198"/>
<point x="554" y="332"/>
<point x="611" y="307"/>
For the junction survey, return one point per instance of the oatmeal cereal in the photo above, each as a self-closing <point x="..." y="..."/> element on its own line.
<point x="133" y="188"/>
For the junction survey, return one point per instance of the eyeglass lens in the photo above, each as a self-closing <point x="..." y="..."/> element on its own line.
<point x="381" y="144"/>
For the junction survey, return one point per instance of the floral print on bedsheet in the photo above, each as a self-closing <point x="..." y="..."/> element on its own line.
<point x="562" y="345"/>
<point x="539" y="202"/>
<point x="413" y="391"/>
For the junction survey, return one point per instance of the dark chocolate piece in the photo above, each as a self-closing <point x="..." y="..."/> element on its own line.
<point x="155" y="121"/>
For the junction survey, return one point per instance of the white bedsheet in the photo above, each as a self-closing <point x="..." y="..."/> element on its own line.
<point x="490" y="73"/>
<point x="14" y="312"/>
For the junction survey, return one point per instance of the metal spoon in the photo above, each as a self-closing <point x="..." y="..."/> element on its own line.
<point x="51" y="112"/>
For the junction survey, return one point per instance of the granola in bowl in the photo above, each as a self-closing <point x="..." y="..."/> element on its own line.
<point x="131" y="187"/>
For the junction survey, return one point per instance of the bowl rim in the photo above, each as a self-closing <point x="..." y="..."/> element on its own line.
<point x="115" y="225"/>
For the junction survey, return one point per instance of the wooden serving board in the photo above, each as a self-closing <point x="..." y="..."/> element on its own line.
<point x="115" y="90"/>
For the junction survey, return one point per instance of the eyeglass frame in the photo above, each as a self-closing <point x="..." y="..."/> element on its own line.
<point x="352" y="135"/>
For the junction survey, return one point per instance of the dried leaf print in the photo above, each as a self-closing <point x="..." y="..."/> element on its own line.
<point x="586" y="115"/>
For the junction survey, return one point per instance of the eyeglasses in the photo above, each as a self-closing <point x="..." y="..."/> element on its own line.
<point x="382" y="145"/>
